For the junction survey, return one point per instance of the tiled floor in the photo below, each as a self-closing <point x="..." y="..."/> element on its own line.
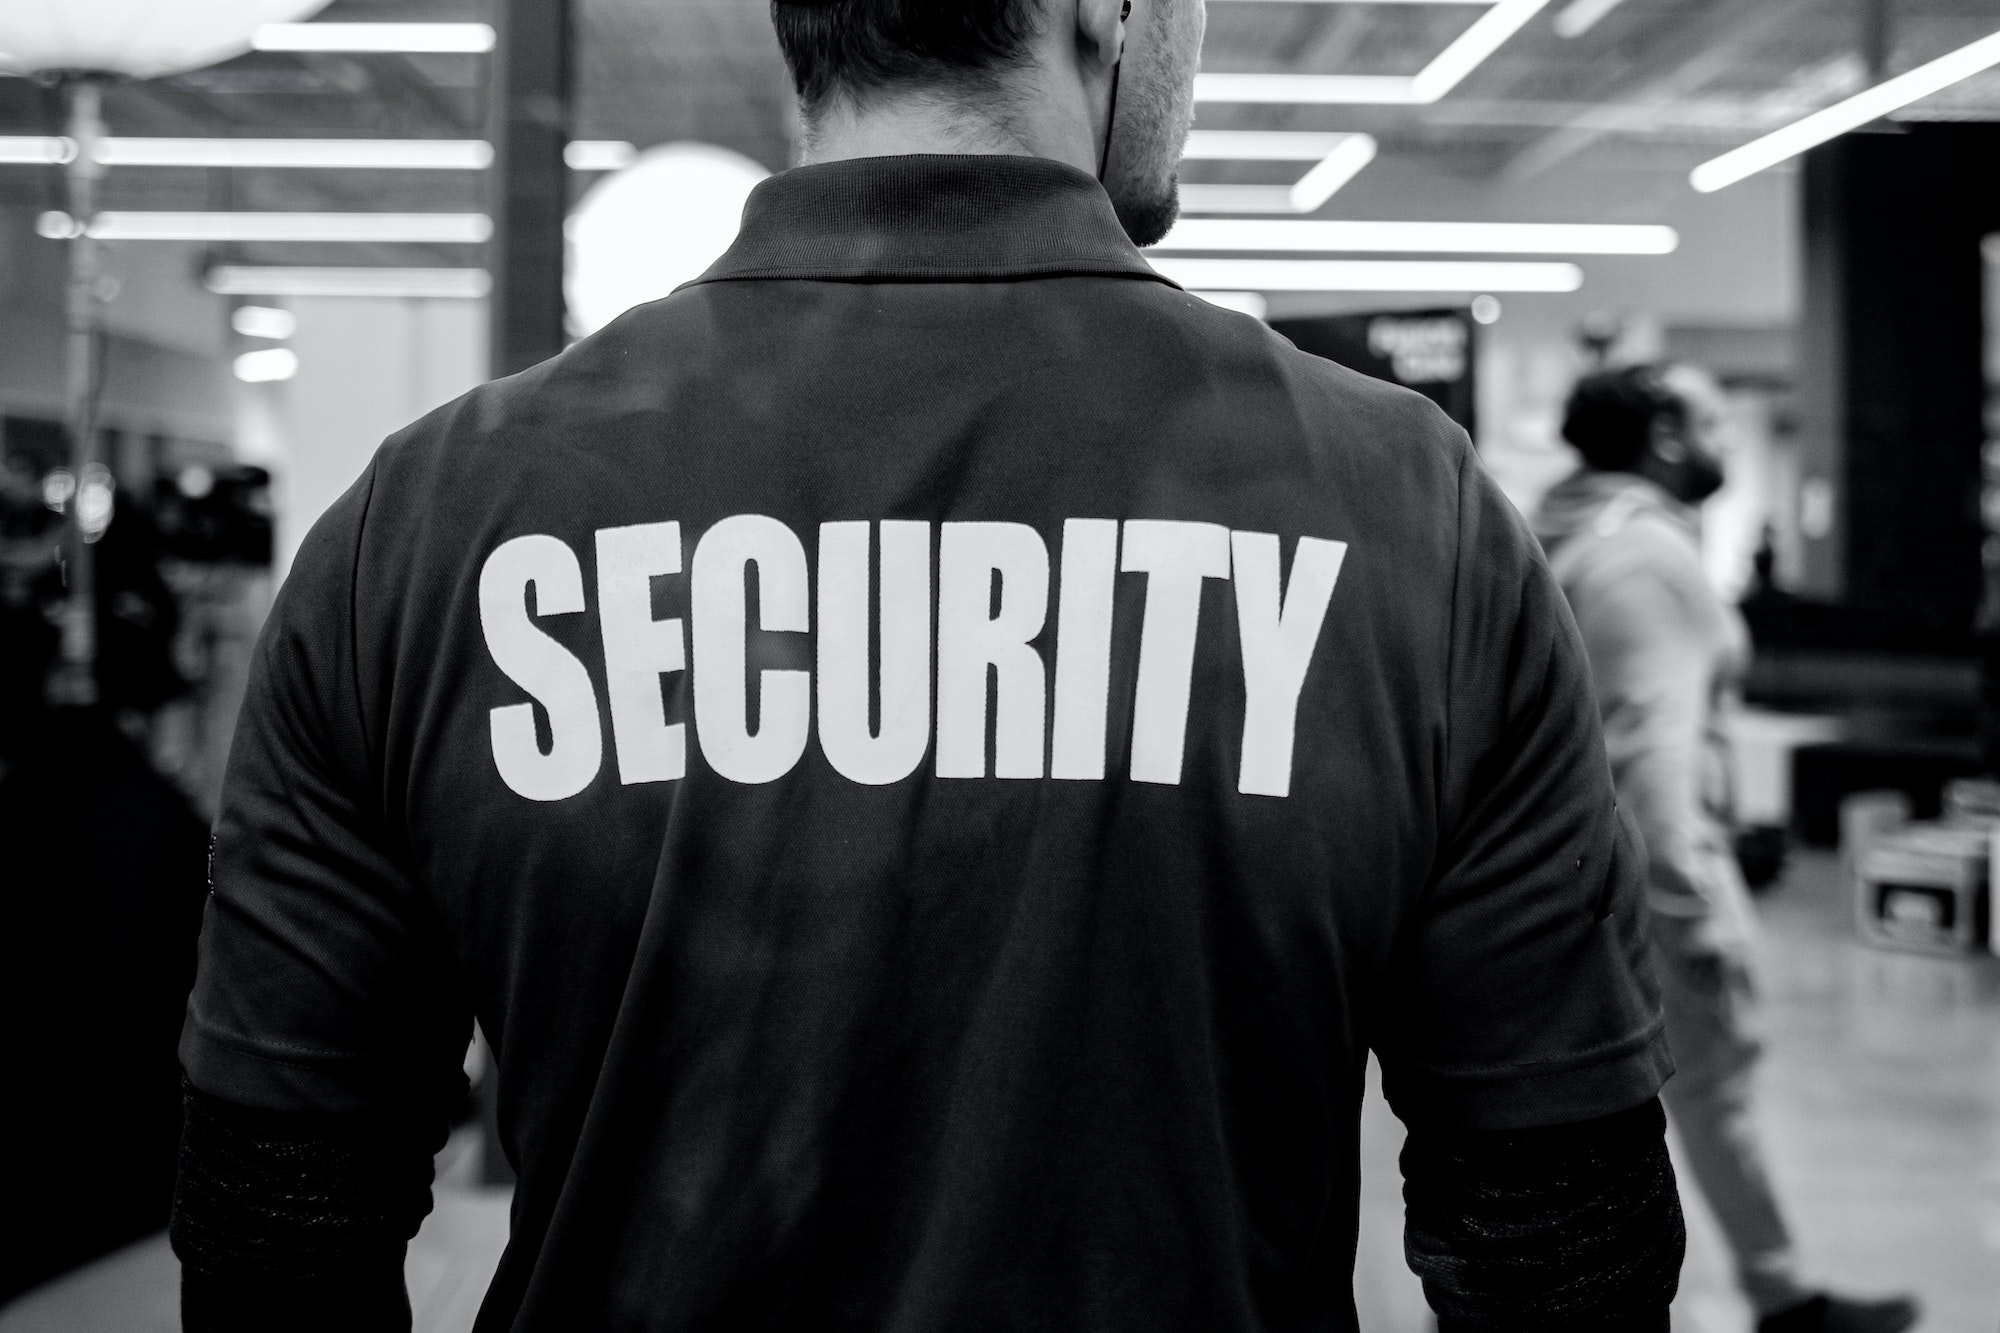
<point x="1880" y="1099"/>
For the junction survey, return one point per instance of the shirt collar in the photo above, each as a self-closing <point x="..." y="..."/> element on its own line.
<point x="930" y="218"/>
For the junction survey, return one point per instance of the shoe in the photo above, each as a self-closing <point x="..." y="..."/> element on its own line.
<point x="1827" y="1313"/>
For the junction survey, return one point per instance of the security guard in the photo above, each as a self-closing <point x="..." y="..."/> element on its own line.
<point x="933" y="755"/>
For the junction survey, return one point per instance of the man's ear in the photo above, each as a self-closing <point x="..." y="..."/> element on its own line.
<point x="1100" y="32"/>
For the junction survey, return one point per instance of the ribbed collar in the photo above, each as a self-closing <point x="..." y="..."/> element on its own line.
<point x="929" y="218"/>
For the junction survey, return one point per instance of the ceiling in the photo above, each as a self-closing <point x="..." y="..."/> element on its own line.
<point x="1658" y="84"/>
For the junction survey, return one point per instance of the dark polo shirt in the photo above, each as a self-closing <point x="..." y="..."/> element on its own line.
<point x="933" y="755"/>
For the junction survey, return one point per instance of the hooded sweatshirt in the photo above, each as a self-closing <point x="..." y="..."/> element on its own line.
<point x="1666" y="657"/>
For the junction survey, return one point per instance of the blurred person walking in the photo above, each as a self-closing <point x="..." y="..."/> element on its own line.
<point x="934" y="755"/>
<point x="1666" y="656"/>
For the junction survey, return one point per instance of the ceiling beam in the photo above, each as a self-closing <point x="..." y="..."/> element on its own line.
<point x="1685" y="60"/>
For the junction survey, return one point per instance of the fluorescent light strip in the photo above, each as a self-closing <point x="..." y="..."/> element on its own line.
<point x="1252" y="304"/>
<point x="383" y="154"/>
<point x="1378" y="2"/>
<point x="599" y="154"/>
<point x="405" y="38"/>
<point x="1307" y="89"/>
<point x="1832" y="122"/>
<point x="1486" y="35"/>
<point x="36" y="150"/>
<point x="267" y="365"/>
<point x="1236" y="199"/>
<point x="1368" y="275"/>
<point x="1337" y="168"/>
<point x="1340" y="157"/>
<point x="258" y="280"/>
<point x="1260" y="145"/>
<point x="1580" y="16"/>
<point x="335" y="154"/>
<point x="262" y="321"/>
<point x="377" y="228"/>
<point x="1517" y="238"/>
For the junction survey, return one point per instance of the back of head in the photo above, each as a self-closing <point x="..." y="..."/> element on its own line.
<point x="855" y="49"/>
<point x="1612" y="414"/>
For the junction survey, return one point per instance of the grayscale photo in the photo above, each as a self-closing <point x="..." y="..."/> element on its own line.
<point x="1000" y="666"/>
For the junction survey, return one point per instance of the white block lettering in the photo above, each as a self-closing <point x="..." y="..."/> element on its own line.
<point x="1278" y="644"/>
<point x="718" y="595"/>
<point x="638" y="648"/>
<point x="549" y="672"/>
<point x="973" y="636"/>
<point x="1083" y="646"/>
<point x="893" y="752"/>
<point x="1175" y="557"/>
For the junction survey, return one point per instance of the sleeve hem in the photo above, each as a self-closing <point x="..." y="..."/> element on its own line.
<point x="1549" y="1066"/>
<point x="249" y="1074"/>
<point x="1532" y="1096"/>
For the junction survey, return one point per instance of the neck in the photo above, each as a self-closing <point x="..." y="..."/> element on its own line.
<point x="893" y="126"/>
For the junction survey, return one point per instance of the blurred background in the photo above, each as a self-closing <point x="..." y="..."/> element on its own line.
<point x="241" y="241"/>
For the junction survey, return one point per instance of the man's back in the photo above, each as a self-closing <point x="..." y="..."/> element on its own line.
<point x="933" y="755"/>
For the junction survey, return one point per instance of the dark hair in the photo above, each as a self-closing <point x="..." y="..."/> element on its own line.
<point x="1611" y="415"/>
<point x="859" y="46"/>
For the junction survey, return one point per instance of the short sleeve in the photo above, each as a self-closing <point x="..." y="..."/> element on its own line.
<point x="323" y="984"/>
<point x="1522" y="992"/>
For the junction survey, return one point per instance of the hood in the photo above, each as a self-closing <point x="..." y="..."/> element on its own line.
<point x="1585" y="496"/>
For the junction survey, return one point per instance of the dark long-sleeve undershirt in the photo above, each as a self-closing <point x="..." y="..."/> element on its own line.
<point x="1567" y="1229"/>
<point x="302" y="1221"/>
<point x="294" y="1221"/>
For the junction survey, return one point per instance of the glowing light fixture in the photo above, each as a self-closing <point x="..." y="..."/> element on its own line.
<point x="374" y="154"/>
<point x="1252" y="304"/>
<point x="374" y="228"/>
<point x="267" y="364"/>
<point x="1521" y="238"/>
<point x="317" y="154"/>
<point x="1369" y="275"/>
<point x="1832" y="122"/>
<point x="1236" y="199"/>
<point x="1260" y="145"/>
<point x="408" y="38"/>
<point x="1580" y="16"/>
<point x="348" y="280"/>
<point x="139" y="39"/>
<point x="1486" y="35"/>
<point x="599" y="154"/>
<point x="1334" y="170"/>
<point x="644" y="231"/>
<point x="35" y="150"/>
<point x="263" y="321"/>
<point x="1307" y="89"/>
<point x="1337" y="159"/>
